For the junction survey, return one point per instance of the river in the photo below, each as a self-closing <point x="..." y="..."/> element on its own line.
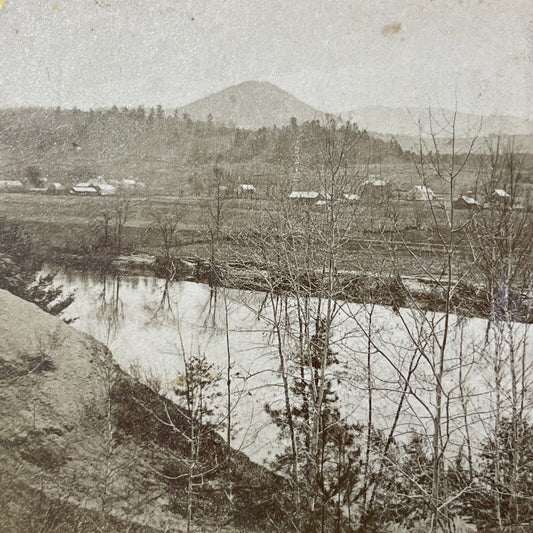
<point x="148" y="324"/>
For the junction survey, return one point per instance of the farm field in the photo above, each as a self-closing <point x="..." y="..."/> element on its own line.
<point x="66" y="225"/>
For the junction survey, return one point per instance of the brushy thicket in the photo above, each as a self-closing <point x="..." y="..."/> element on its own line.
<point x="20" y="271"/>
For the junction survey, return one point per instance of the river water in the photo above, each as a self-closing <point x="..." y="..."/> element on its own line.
<point x="149" y="324"/>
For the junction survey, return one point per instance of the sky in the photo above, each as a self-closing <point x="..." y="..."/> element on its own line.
<point x="335" y="55"/>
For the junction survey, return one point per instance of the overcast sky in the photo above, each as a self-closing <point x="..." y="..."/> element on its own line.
<point x="332" y="54"/>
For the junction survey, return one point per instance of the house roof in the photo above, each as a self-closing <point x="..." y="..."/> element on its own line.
<point x="84" y="187"/>
<point x="11" y="183"/>
<point x="106" y="187"/>
<point x="422" y="188"/>
<point x="351" y="197"/>
<point x="376" y="183"/>
<point x="468" y="199"/>
<point x="304" y="195"/>
<point x="501" y="193"/>
<point x="247" y="187"/>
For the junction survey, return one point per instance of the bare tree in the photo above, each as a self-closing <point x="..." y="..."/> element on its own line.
<point x="431" y="332"/>
<point x="298" y="246"/>
<point x="112" y="218"/>
<point x="502" y="247"/>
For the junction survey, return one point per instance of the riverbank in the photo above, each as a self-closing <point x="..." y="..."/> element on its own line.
<point x="374" y="267"/>
<point x="76" y="225"/>
<point x="396" y="292"/>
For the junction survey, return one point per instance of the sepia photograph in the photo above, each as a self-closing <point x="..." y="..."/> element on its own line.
<point x="266" y="266"/>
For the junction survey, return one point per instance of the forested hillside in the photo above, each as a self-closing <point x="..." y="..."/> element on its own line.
<point x="167" y="152"/>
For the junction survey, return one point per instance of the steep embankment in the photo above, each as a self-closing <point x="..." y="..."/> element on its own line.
<point x="82" y="449"/>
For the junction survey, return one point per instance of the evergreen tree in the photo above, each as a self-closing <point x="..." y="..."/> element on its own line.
<point x="480" y="501"/>
<point x="329" y="474"/>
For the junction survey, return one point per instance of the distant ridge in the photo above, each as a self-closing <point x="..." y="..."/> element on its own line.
<point x="404" y="121"/>
<point x="253" y="105"/>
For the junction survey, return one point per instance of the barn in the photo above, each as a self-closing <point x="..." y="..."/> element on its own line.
<point x="246" y="190"/>
<point x="347" y="197"/>
<point x="55" y="188"/>
<point x="501" y="197"/>
<point x="84" y="189"/>
<point x="304" y="197"/>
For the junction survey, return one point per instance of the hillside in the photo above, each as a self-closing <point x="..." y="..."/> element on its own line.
<point x="252" y="105"/>
<point x="83" y="446"/>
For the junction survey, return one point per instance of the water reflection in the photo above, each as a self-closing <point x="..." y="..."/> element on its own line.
<point x="165" y="305"/>
<point x="149" y="323"/>
<point x="109" y="307"/>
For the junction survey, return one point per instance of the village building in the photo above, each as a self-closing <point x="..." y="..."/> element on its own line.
<point x="246" y="190"/>
<point x="501" y="196"/>
<point x="38" y="190"/>
<point x="305" y="197"/>
<point x="310" y="197"/>
<point x="466" y="202"/>
<point x="104" y="188"/>
<point x="130" y="183"/>
<point x="84" y="189"/>
<point x="11" y="186"/>
<point x="48" y="188"/>
<point x="422" y="193"/>
<point x="55" y="188"/>
<point x="351" y="197"/>
<point x="221" y="191"/>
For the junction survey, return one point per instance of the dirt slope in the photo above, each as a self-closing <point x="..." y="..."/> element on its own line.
<point x="81" y="449"/>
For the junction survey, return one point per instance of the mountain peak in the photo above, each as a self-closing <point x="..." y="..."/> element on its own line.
<point x="251" y="104"/>
<point x="256" y="84"/>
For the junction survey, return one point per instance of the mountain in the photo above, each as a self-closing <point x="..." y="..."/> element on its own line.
<point x="254" y="104"/>
<point x="405" y="122"/>
<point x="251" y="104"/>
